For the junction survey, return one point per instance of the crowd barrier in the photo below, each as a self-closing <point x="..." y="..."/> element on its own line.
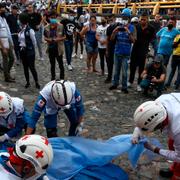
<point x="154" y="7"/>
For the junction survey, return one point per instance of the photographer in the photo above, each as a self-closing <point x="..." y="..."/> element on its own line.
<point x="154" y="75"/>
<point x="124" y="35"/>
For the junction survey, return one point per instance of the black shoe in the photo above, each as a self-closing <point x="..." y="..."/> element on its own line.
<point x="125" y="91"/>
<point x="166" y="173"/>
<point x="38" y="86"/>
<point x="27" y="85"/>
<point x="10" y="80"/>
<point x="113" y="87"/>
<point x="108" y="80"/>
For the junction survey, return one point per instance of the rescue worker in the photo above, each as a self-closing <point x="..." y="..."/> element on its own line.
<point x="162" y="114"/>
<point x="13" y="116"/>
<point x="55" y="96"/>
<point x="29" y="159"/>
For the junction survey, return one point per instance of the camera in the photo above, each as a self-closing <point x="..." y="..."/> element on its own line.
<point x="122" y="24"/>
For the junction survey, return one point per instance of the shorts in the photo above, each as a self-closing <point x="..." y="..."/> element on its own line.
<point x="90" y="49"/>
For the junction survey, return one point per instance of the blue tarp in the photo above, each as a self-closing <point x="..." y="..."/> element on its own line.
<point x="73" y="155"/>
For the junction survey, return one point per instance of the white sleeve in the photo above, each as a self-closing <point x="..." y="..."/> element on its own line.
<point x="33" y="38"/>
<point x="173" y="155"/>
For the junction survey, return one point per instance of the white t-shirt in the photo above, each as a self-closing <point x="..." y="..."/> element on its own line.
<point x="101" y="31"/>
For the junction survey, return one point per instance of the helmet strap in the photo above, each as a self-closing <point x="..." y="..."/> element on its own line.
<point x="165" y="123"/>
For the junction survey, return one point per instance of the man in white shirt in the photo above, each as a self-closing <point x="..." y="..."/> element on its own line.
<point x="162" y="114"/>
<point x="6" y="45"/>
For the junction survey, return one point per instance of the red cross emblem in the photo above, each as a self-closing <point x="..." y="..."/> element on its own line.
<point x="1" y="97"/>
<point x="25" y="137"/>
<point x="2" y="109"/>
<point x="46" y="141"/>
<point x="39" y="154"/>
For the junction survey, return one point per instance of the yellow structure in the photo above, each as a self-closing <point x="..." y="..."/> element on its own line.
<point x="155" y="6"/>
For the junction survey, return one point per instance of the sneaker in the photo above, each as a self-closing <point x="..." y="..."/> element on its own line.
<point x="166" y="172"/>
<point x="125" y="91"/>
<point x="74" y="55"/>
<point x="113" y="87"/>
<point x="129" y="85"/>
<point x="81" y="56"/>
<point x="139" y="89"/>
<point x="70" y="67"/>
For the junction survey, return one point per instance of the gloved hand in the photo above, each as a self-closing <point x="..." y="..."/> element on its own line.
<point x="3" y="138"/>
<point x="136" y="135"/>
<point x="79" y="129"/>
<point x="149" y="146"/>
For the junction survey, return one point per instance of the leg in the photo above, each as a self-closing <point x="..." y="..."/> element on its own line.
<point x="67" y="51"/>
<point x="141" y="68"/>
<point x="178" y="75"/>
<point x="94" y="58"/>
<point x="124" y="72"/>
<point x="101" y="56"/>
<point x="133" y="66"/>
<point x="110" y="63"/>
<point x="174" y="64"/>
<point x="81" y="44"/>
<point x="52" y="63"/>
<point x="31" y="62"/>
<point x="11" y="59"/>
<point x="25" y="65"/>
<point x="50" y="122"/>
<point x="61" y="66"/>
<point x="117" y="66"/>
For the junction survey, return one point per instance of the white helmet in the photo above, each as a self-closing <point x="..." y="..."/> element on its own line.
<point x="134" y="19"/>
<point x="149" y="114"/>
<point x="6" y="105"/>
<point x="62" y="93"/>
<point x="35" y="149"/>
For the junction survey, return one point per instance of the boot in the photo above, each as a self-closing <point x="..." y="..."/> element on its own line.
<point x="166" y="172"/>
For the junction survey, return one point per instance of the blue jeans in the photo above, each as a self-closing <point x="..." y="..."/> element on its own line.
<point x="39" y="35"/>
<point x="120" y="61"/>
<point x="68" y="44"/>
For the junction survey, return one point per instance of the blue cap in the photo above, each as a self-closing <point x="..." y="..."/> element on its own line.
<point x="126" y="12"/>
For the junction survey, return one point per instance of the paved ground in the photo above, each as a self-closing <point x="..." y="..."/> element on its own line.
<point x="108" y="113"/>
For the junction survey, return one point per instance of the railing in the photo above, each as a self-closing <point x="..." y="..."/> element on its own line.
<point x="115" y="8"/>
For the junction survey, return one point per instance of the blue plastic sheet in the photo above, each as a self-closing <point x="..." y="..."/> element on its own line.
<point x="73" y="154"/>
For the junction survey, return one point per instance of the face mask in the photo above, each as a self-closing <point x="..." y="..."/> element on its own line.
<point x="53" y="21"/>
<point x="170" y="26"/>
<point x="71" y="18"/>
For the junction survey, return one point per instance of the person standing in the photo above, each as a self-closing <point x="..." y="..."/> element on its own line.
<point x="6" y="45"/>
<point x="27" y="43"/>
<point x="54" y="35"/>
<point x="145" y="34"/>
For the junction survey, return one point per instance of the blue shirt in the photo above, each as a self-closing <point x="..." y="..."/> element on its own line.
<point x="166" y="40"/>
<point x="123" y="42"/>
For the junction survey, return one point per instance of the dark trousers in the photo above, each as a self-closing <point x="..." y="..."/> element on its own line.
<point x="136" y="62"/>
<point x="102" y="55"/>
<point x="16" y="46"/>
<point x="79" y="40"/>
<point x="110" y="62"/>
<point x="53" y="56"/>
<point x="174" y="65"/>
<point x="28" y="62"/>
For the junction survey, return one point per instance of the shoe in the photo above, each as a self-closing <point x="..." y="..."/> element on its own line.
<point x="129" y="85"/>
<point x="139" y="89"/>
<point x="70" y="67"/>
<point x="37" y="86"/>
<point x="125" y="91"/>
<point x="10" y="80"/>
<point x="166" y="172"/>
<point x="167" y="85"/>
<point x="27" y="85"/>
<point x="108" y="80"/>
<point x="113" y="87"/>
<point x="74" y="55"/>
<point x="81" y="56"/>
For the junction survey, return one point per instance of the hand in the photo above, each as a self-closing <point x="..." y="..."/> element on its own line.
<point x="154" y="79"/>
<point x="2" y="138"/>
<point x="149" y="146"/>
<point x="127" y="30"/>
<point x="79" y="129"/>
<point x="29" y="131"/>
<point x="136" y="135"/>
<point x="116" y="29"/>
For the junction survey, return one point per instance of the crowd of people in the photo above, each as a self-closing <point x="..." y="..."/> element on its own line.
<point x="120" y="42"/>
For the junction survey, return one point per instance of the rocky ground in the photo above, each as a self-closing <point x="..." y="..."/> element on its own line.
<point x="108" y="113"/>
